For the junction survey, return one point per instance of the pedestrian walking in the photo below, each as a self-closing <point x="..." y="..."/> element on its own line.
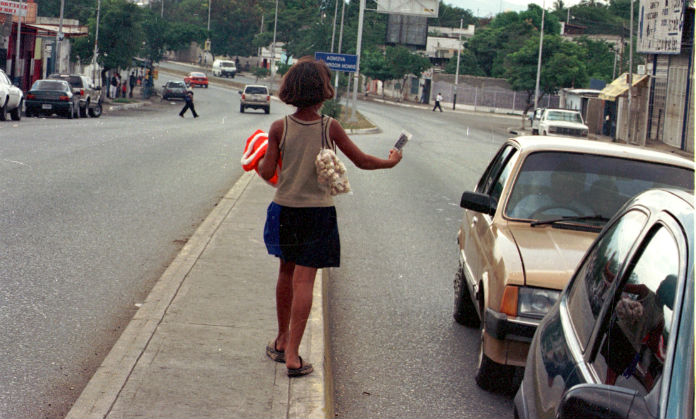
<point x="188" y="105"/>
<point x="438" y="99"/>
<point x="301" y="226"/>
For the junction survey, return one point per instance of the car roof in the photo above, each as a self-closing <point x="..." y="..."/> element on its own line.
<point x="256" y="85"/>
<point x="534" y="143"/>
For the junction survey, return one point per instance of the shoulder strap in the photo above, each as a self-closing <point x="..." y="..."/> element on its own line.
<point x="281" y="146"/>
<point x="326" y="141"/>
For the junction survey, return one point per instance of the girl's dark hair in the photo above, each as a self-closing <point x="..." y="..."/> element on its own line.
<point x="307" y="83"/>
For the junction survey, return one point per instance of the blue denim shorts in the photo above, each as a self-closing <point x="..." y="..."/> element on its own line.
<point x="305" y="236"/>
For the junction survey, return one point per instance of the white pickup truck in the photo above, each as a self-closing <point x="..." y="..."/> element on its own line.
<point x="566" y="122"/>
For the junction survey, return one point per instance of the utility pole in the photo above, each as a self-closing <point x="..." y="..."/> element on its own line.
<point x="541" y="46"/>
<point x="273" y="47"/>
<point x="96" y="43"/>
<point x="459" y="52"/>
<point x="340" y="39"/>
<point x="356" y="77"/>
<point x="59" y="38"/>
<point x="19" y="36"/>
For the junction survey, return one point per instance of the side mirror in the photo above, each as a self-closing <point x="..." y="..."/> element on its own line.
<point x="477" y="202"/>
<point x="239" y="91"/>
<point x="600" y="401"/>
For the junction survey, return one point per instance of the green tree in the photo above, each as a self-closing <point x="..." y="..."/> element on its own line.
<point x="402" y="63"/>
<point x="450" y="16"/>
<point x="563" y="65"/>
<point x="120" y="33"/>
<point x="467" y="64"/>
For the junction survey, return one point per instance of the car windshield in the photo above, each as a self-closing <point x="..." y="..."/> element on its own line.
<point x="180" y="84"/>
<point x="227" y="65"/>
<point x="197" y="75"/>
<point x="564" y="116"/>
<point x="256" y="90"/>
<point x="560" y="184"/>
<point x="48" y="85"/>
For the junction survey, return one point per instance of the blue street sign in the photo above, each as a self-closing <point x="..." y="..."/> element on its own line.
<point x="340" y="62"/>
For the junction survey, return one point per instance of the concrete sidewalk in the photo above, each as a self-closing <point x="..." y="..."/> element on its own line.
<point x="196" y="347"/>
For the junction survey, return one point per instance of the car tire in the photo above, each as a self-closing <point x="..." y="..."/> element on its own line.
<point x="96" y="111"/>
<point x="28" y="113"/>
<point x="490" y="375"/>
<point x="464" y="308"/>
<point x="3" y="112"/>
<point x="83" y="111"/>
<point x="16" y="113"/>
<point x="535" y="132"/>
<point x="267" y="109"/>
<point x="241" y="108"/>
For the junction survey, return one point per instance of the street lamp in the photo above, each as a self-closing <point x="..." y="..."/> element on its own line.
<point x="275" y="26"/>
<point x="96" y="42"/>
<point x="459" y="53"/>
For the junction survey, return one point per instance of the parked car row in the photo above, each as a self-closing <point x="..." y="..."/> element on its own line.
<point x="539" y="206"/>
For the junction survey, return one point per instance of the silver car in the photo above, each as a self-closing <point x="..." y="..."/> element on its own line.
<point x="256" y="97"/>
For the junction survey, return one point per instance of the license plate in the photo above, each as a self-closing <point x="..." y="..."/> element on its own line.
<point x="46" y="106"/>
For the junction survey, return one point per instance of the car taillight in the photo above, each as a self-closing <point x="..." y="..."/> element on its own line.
<point x="82" y="92"/>
<point x="31" y="96"/>
<point x="268" y="98"/>
<point x="64" y="98"/>
<point x="243" y="96"/>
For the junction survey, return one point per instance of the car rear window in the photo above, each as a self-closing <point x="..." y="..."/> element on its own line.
<point x="176" y="84"/>
<point x="256" y="90"/>
<point x="564" y="116"/>
<point x="48" y="85"/>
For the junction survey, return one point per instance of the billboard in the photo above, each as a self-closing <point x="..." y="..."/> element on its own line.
<point x="407" y="30"/>
<point x="426" y="8"/>
<point x="660" y="26"/>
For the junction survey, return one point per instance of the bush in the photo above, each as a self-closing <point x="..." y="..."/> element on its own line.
<point x="332" y="108"/>
<point x="260" y="72"/>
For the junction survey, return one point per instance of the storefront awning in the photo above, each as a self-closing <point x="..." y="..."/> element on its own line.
<point x="620" y="86"/>
<point x="70" y="31"/>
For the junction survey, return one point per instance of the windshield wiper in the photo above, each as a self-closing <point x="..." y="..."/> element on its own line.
<point x="597" y="217"/>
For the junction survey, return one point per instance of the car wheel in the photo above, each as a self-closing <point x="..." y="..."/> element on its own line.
<point x="83" y="111"/>
<point x="96" y="111"/>
<point x="464" y="308"/>
<point x="28" y="113"/>
<point x="490" y="375"/>
<point x="16" y="113"/>
<point x="535" y="132"/>
<point x="267" y="109"/>
<point x="206" y="86"/>
<point x="241" y="108"/>
<point x="3" y="112"/>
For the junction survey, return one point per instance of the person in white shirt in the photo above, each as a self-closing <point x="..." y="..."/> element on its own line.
<point x="438" y="99"/>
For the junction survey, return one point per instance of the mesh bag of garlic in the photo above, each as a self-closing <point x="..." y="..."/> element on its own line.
<point x="331" y="172"/>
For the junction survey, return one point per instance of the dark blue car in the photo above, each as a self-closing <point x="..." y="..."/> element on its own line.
<point x="619" y="343"/>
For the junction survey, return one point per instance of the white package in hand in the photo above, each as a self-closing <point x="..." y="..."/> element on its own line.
<point x="331" y="172"/>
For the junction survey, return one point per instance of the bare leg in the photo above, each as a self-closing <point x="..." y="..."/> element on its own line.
<point x="284" y="302"/>
<point x="302" y="292"/>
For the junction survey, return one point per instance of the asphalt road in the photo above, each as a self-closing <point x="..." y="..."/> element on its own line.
<point x="395" y="349"/>
<point x="94" y="210"/>
<point x="91" y="213"/>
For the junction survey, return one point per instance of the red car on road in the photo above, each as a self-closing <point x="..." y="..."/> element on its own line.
<point x="196" y="79"/>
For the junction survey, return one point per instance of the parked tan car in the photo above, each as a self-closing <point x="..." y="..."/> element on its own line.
<point x="535" y="211"/>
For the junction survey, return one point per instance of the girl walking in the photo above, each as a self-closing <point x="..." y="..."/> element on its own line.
<point x="301" y="227"/>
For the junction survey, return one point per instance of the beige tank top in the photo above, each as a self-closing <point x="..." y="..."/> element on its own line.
<point x="297" y="182"/>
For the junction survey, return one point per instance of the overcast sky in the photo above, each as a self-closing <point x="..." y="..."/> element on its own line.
<point x="482" y="8"/>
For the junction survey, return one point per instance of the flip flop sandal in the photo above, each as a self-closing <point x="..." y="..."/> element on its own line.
<point x="299" y="372"/>
<point x="273" y="353"/>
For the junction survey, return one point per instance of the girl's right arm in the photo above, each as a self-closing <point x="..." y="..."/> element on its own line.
<point x="358" y="157"/>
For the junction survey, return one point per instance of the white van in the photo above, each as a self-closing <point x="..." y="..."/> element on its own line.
<point x="224" y="68"/>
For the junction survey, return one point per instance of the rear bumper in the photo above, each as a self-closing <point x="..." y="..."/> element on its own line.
<point x="35" y="106"/>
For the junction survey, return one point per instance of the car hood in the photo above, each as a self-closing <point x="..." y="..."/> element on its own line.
<point x="549" y="255"/>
